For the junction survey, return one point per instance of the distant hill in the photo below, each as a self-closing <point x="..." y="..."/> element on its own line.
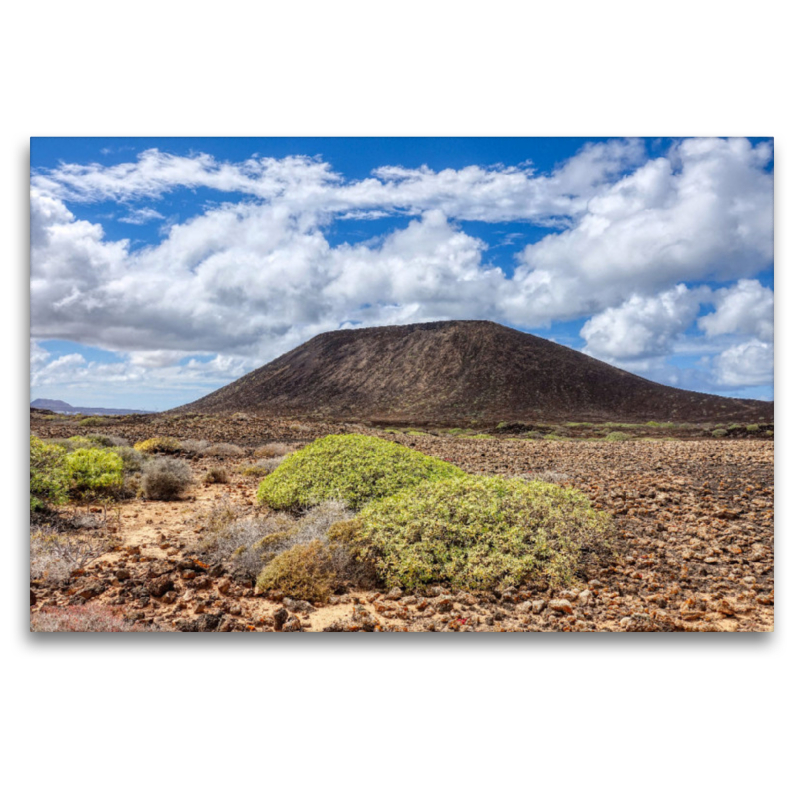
<point x="60" y="407"/>
<point x="451" y="372"/>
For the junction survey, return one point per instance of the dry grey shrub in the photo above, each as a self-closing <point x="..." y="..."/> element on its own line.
<point x="194" y="447"/>
<point x="273" y="449"/>
<point x="107" y="440"/>
<point x="55" y="555"/>
<point x="132" y="460"/>
<point x="165" y="478"/>
<point x="224" y="449"/>
<point x="238" y="540"/>
<point x="216" y="475"/>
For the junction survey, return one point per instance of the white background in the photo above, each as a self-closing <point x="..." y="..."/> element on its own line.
<point x="379" y="716"/>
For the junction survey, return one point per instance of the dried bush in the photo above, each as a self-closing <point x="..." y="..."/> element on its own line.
<point x="132" y="460"/>
<point x="89" y="618"/>
<point x="224" y="450"/>
<point x="262" y="468"/>
<point x="54" y="556"/>
<point x="216" y="475"/>
<point x="165" y="478"/>
<point x="476" y="533"/>
<point x="349" y="467"/>
<point x="194" y="447"/>
<point x="49" y="479"/>
<point x="272" y="449"/>
<point x="158" y="444"/>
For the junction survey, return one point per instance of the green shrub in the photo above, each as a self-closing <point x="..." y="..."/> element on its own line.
<point x="349" y="467"/>
<point x="92" y="422"/>
<point x="49" y="480"/>
<point x="554" y="437"/>
<point x="304" y="572"/>
<point x="476" y="533"/>
<point x="770" y="433"/>
<point x="158" y="444"/>
<point x="93" y="472"/>
<point x="165" y="478"/>
<point x="617" y="436"/>
<point x="752" y="428"/>
<point x="719" y="432"/>
<point x="653" y="424"/>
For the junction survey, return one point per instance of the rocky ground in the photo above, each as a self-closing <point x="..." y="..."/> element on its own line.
<point x="695" y="550"/>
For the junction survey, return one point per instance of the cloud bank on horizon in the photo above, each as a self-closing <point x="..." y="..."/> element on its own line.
<point x="158" y="279"/>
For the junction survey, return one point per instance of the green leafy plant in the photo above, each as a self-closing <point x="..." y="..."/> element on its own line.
<point x="476" y="533"/>
<point x="92" y="422"/>
<point x="93" y="472"/>
<point x="349" y="467"/>
<point x="49" y="479"/>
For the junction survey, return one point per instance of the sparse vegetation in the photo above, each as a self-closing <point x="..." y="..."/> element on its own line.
<point x="165" y="478"/>
<point x="349" y="467"/>
<point x="475" y="533"/>
<point x="93" y="618"/>
<point x="753" y="428"/>
<point x="105" y="440"/>
<point x="54" y="555"/>
<point x="224" y="450"/>
<point x="262" y="468"/>
<point x="617" y="436"/>
<point x="718" y="433"/>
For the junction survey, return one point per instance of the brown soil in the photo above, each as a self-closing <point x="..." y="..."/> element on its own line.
<point x="695" y="520"/>
<point x="456" y="372"/>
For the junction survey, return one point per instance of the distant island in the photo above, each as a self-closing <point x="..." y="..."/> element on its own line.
<point x="60" y="407"/>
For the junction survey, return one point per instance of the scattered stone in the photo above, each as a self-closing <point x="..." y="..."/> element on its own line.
<point x="292" y="625"/>
<point x="561" y="605"/>
<point x="298" y="606"/>
<point x="279" y="618"/>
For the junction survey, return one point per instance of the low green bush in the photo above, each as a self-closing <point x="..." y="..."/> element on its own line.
<point x="49" y="480"/>
<point x="349" y="467"/>
<point x="92" y="422"/>
<point x="476" y="533"/>
<point x="158" y="444"/>
<point x="719" y="432"/>
<point x="93" y="472"/>
<point x="752" y="428"/>
<point x="617" y="436"/>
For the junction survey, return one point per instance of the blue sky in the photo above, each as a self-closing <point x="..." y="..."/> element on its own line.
<point x="162" y="269"/>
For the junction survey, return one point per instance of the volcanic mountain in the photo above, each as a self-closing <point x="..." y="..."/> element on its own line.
<point x="456" y="372"/>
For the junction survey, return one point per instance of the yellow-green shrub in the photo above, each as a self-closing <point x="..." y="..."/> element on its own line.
<point x="349" y="467"/>
<point x="158" y="444"/>
<point x="93" y="472"/>
<point x="476" y="533"/>
<point x="49" y="479"/>
<point x="305" y="572"/>
<point x="92" y="422"/>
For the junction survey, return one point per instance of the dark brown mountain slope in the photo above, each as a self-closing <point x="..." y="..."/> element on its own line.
<point x="452" y="372"/>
